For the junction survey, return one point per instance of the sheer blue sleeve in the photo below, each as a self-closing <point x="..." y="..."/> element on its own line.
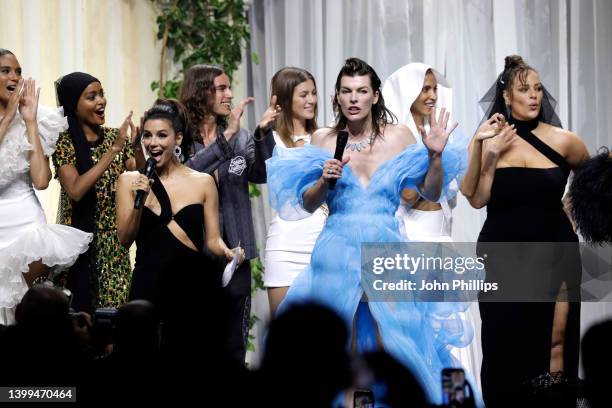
<point x="292" y="171"/>
<point x="458" y="142"/>
<point x="410" y="166"/>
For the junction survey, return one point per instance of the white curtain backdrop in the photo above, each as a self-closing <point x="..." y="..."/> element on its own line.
<point x="568" y="41"/>
<point x="115" y="40"/>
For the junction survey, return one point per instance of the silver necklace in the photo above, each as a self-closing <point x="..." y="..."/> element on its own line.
<point x="359" y="146"/>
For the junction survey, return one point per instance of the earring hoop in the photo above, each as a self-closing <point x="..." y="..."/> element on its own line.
<point x="178" y="153"/>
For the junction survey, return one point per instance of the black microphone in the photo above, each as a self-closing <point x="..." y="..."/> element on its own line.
<point x="148" y="172"/>
<point x="341" y="140"/>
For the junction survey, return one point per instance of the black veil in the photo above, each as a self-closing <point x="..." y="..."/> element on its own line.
<point x="493" y="102"/>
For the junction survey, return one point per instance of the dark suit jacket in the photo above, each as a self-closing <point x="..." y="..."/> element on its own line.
<point x="239" y="161"/>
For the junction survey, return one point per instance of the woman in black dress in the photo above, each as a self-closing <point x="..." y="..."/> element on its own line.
<point x="519" y="171"/>
<point x="178" y="219"/>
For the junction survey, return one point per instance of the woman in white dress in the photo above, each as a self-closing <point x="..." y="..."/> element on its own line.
<point x="411" y="93"/>
<point x="28" y="246"/>
<point x="289" y="243"/>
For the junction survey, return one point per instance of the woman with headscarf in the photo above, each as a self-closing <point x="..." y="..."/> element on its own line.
<point x="28" y="133"/>
<point x="529" y="329"/>
<point x="88" y="161"/>
<point x="412" y="93"/>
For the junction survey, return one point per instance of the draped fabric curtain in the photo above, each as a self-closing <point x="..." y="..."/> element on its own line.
<point x="568" y="41"/>
<point x="114" y="40"/>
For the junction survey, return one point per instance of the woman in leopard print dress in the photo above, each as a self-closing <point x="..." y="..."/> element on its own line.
<point x="88" y="161"/>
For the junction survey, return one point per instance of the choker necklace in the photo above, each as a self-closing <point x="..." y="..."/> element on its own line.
<point x="358" y="146"/>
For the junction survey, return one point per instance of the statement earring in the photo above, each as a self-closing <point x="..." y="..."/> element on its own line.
<point x="178" y="153"/>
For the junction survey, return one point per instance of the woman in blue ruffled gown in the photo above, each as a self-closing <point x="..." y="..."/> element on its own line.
<point x="380" y="160"/>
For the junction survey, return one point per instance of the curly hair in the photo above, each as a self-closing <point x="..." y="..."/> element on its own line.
<point x="381" y="116"/>
<point x="197" y="94"/>
<point x="591" y="197"/>
<point x="174" y="112"/>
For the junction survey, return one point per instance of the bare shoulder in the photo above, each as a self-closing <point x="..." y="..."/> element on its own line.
<point x="570" y="144"/>
<point x="570" y="137"/>
<point x="399" y="135"/>
<point x="198" y="178"/>
<point x="320" y="136"/>
<point x="563" y="136"/>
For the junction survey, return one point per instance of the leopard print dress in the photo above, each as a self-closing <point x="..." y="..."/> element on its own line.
<point x="111" y="284"/>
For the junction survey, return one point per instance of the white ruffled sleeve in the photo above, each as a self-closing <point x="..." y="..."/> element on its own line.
<point x="13" y="150"/>
<point x="51" y="122"/>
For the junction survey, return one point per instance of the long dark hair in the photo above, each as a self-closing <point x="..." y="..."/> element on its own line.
<point x="174" y="112"/>
<point x="198" y="93"/>
<point x="381" y="116"/>
<point x="283" y="84"/>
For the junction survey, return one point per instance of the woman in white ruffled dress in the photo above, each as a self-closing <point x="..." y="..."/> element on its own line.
<point x="28" y="246"/>
<point x="411" y="93"/>
<point x="289" y="243"/>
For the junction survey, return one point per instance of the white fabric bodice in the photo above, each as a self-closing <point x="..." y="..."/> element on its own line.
<point x="20" y="186"/>
<point x="14" y="151"/>
<point x="279" y="142"/>
<point x="303" y="232"/>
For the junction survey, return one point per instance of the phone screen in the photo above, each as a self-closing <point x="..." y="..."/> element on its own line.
<point x="453" y="386"/>
<point x="363" y="399"/>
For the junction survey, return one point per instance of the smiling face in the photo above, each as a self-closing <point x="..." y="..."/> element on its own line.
<point x="304" y="101"/>
<point x="425" y="103"/>
<point x="222" y="105"/>
<point x="10" y="74"/>
<point x="356" y="97"/>
<point x="91" y="106"/>
<point x="160" y="140"/>
<point x="525" y="97"/>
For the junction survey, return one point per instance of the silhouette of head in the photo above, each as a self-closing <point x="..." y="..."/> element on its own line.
<point x="597" y="360"/>
<point x="306" y="350"/>
<point x="137" y="328"/>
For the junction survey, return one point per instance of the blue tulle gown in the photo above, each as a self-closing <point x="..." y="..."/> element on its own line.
<point x="417" y="334"/>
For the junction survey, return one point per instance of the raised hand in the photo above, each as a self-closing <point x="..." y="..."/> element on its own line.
<point x="436" y="139"/>
<point x="491" y="127"/>
<point x="123" y="133"/>
<point x="13" y="104"/>
<point x="28" y="100"/>
<point x="136" y="133"/>
<point x="270" y="114"/>
<point x="502" y="141"/>
<point x="233" y="123"/>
